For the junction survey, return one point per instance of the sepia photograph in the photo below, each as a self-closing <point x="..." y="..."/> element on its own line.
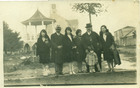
<point x="67" y="43"/>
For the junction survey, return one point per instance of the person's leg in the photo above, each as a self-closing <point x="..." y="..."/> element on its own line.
<point x="99" y="60"/>
<point x="73" y="63"/>
<point x="112" y="66"/>
<point x="79" y="66"/>
<point x="61" y="68"/>
<point x="109" y="66"/>
<point x="100" y="63"/>
<point x="90" y="69"/>
<point x="96" y="68"/>
<point x="93" y="68"/>
<point x="56" y="69"/>
<point x="70" y="67"/>
<point x="87" y="66"/>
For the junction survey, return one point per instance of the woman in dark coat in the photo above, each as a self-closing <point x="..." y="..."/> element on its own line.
<point x="107" y="43"/>
<point x="69" y="49"/>
<point x="43" y="49"/>
<point x="80" y="55"/>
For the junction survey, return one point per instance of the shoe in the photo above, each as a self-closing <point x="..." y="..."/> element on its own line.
<point x="112" y="70"/>
<point x="70" y="73"/>
<point x="109" y="70"/>
<point x="73" y="72"/>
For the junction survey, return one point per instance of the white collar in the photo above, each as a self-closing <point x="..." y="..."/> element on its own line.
<point x="57" y="33"/>
<point x="89" y="33"/>
<point x="69" y="37"/>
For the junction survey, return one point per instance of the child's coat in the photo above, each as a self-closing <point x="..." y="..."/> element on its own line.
<point x="91" y="58"/>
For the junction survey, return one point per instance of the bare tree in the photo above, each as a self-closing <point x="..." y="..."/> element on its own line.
<point x="90" y="8"/>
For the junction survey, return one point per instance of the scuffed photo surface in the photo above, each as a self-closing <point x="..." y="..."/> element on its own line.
<point x="69" y="43"/>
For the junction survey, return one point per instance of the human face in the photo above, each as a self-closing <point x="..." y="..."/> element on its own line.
<point x="58" y="30"/>
<point x="103" y="29"/>
<point x="79" y="34"/>
<point x="42" y="34"/>
<point x="68" y="32"/>
<point x="89" y="29"/>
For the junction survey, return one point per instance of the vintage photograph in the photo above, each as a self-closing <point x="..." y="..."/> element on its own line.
<point x="49" y="43"/>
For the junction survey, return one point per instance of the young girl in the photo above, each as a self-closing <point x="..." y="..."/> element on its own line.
<point x="43" y="51"/>
<point x="91" y="60"/>
<point x="69" y="48"/>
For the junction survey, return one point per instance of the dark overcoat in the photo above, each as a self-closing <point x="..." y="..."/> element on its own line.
<point x="57" y="54"/>
<point x="108" y="53"/>
<point x="80" y="54"/>
<point x="92" y="40"/>
<point x="69" y="52"/>
<point x="43" y="50"/>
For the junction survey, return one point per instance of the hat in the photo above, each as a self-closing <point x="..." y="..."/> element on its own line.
<point x="88" y="25"/>
<point x="58" y="27"/>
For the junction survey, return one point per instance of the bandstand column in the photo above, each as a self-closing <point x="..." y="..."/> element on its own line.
<point x="53" y="27"/>
<point x="36" y="31"/>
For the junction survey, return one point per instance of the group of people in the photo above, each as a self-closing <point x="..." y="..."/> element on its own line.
<point x="68" y="48"/>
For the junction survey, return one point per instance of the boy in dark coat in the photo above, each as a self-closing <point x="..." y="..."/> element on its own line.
<point x="91" y="39"/>
<point x="57" y="50"/>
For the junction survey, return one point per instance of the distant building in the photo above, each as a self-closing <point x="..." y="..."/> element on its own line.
<point x="73" y="23"/>
<point x="48" y="24"/>
<point x="125" y="36"/>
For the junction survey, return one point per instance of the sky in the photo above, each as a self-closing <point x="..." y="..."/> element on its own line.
<point x="119" y="14"/>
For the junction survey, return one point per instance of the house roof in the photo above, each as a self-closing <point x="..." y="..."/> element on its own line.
<point x="127" y="31"/>
<point x="131" y="33"/>
<point x="37" y="19"/>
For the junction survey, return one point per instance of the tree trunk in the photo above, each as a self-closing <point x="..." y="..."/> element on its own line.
<point x="90" y="18"/>
<point x="89" y="13"/>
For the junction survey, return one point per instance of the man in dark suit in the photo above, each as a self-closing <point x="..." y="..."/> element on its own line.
<point x="91" y="39"/>
<point x="57" y="50"/>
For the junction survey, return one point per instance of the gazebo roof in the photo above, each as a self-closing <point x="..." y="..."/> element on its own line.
<point x="37" y="19"/>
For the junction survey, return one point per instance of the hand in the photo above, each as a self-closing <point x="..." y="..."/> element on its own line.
<point x="74" y="47"/>
<point x="59" y="47"/>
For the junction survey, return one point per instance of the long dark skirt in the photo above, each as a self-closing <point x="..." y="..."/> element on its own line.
<point x="44" y="58"/>
<point x="108" y="55"/>
<point x="70" y="56"/>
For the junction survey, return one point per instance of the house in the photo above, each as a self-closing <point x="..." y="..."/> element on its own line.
<point x="125" y="36"/>
<point x="63" y="22"/>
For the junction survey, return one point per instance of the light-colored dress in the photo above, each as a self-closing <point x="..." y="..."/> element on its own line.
<point x="91" y="58"/>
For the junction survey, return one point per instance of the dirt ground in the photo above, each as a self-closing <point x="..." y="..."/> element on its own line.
<point x="123" y="77"/>
<point x="22" y="72"/>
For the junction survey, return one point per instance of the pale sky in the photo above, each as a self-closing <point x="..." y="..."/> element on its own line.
<point x="119" y="15"/>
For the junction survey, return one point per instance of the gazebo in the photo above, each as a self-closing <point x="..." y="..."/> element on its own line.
<point x="38" y="19"/>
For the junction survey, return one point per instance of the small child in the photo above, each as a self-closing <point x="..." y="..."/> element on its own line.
<point x="91" y="60"/>
<point x="46" y="71"/>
